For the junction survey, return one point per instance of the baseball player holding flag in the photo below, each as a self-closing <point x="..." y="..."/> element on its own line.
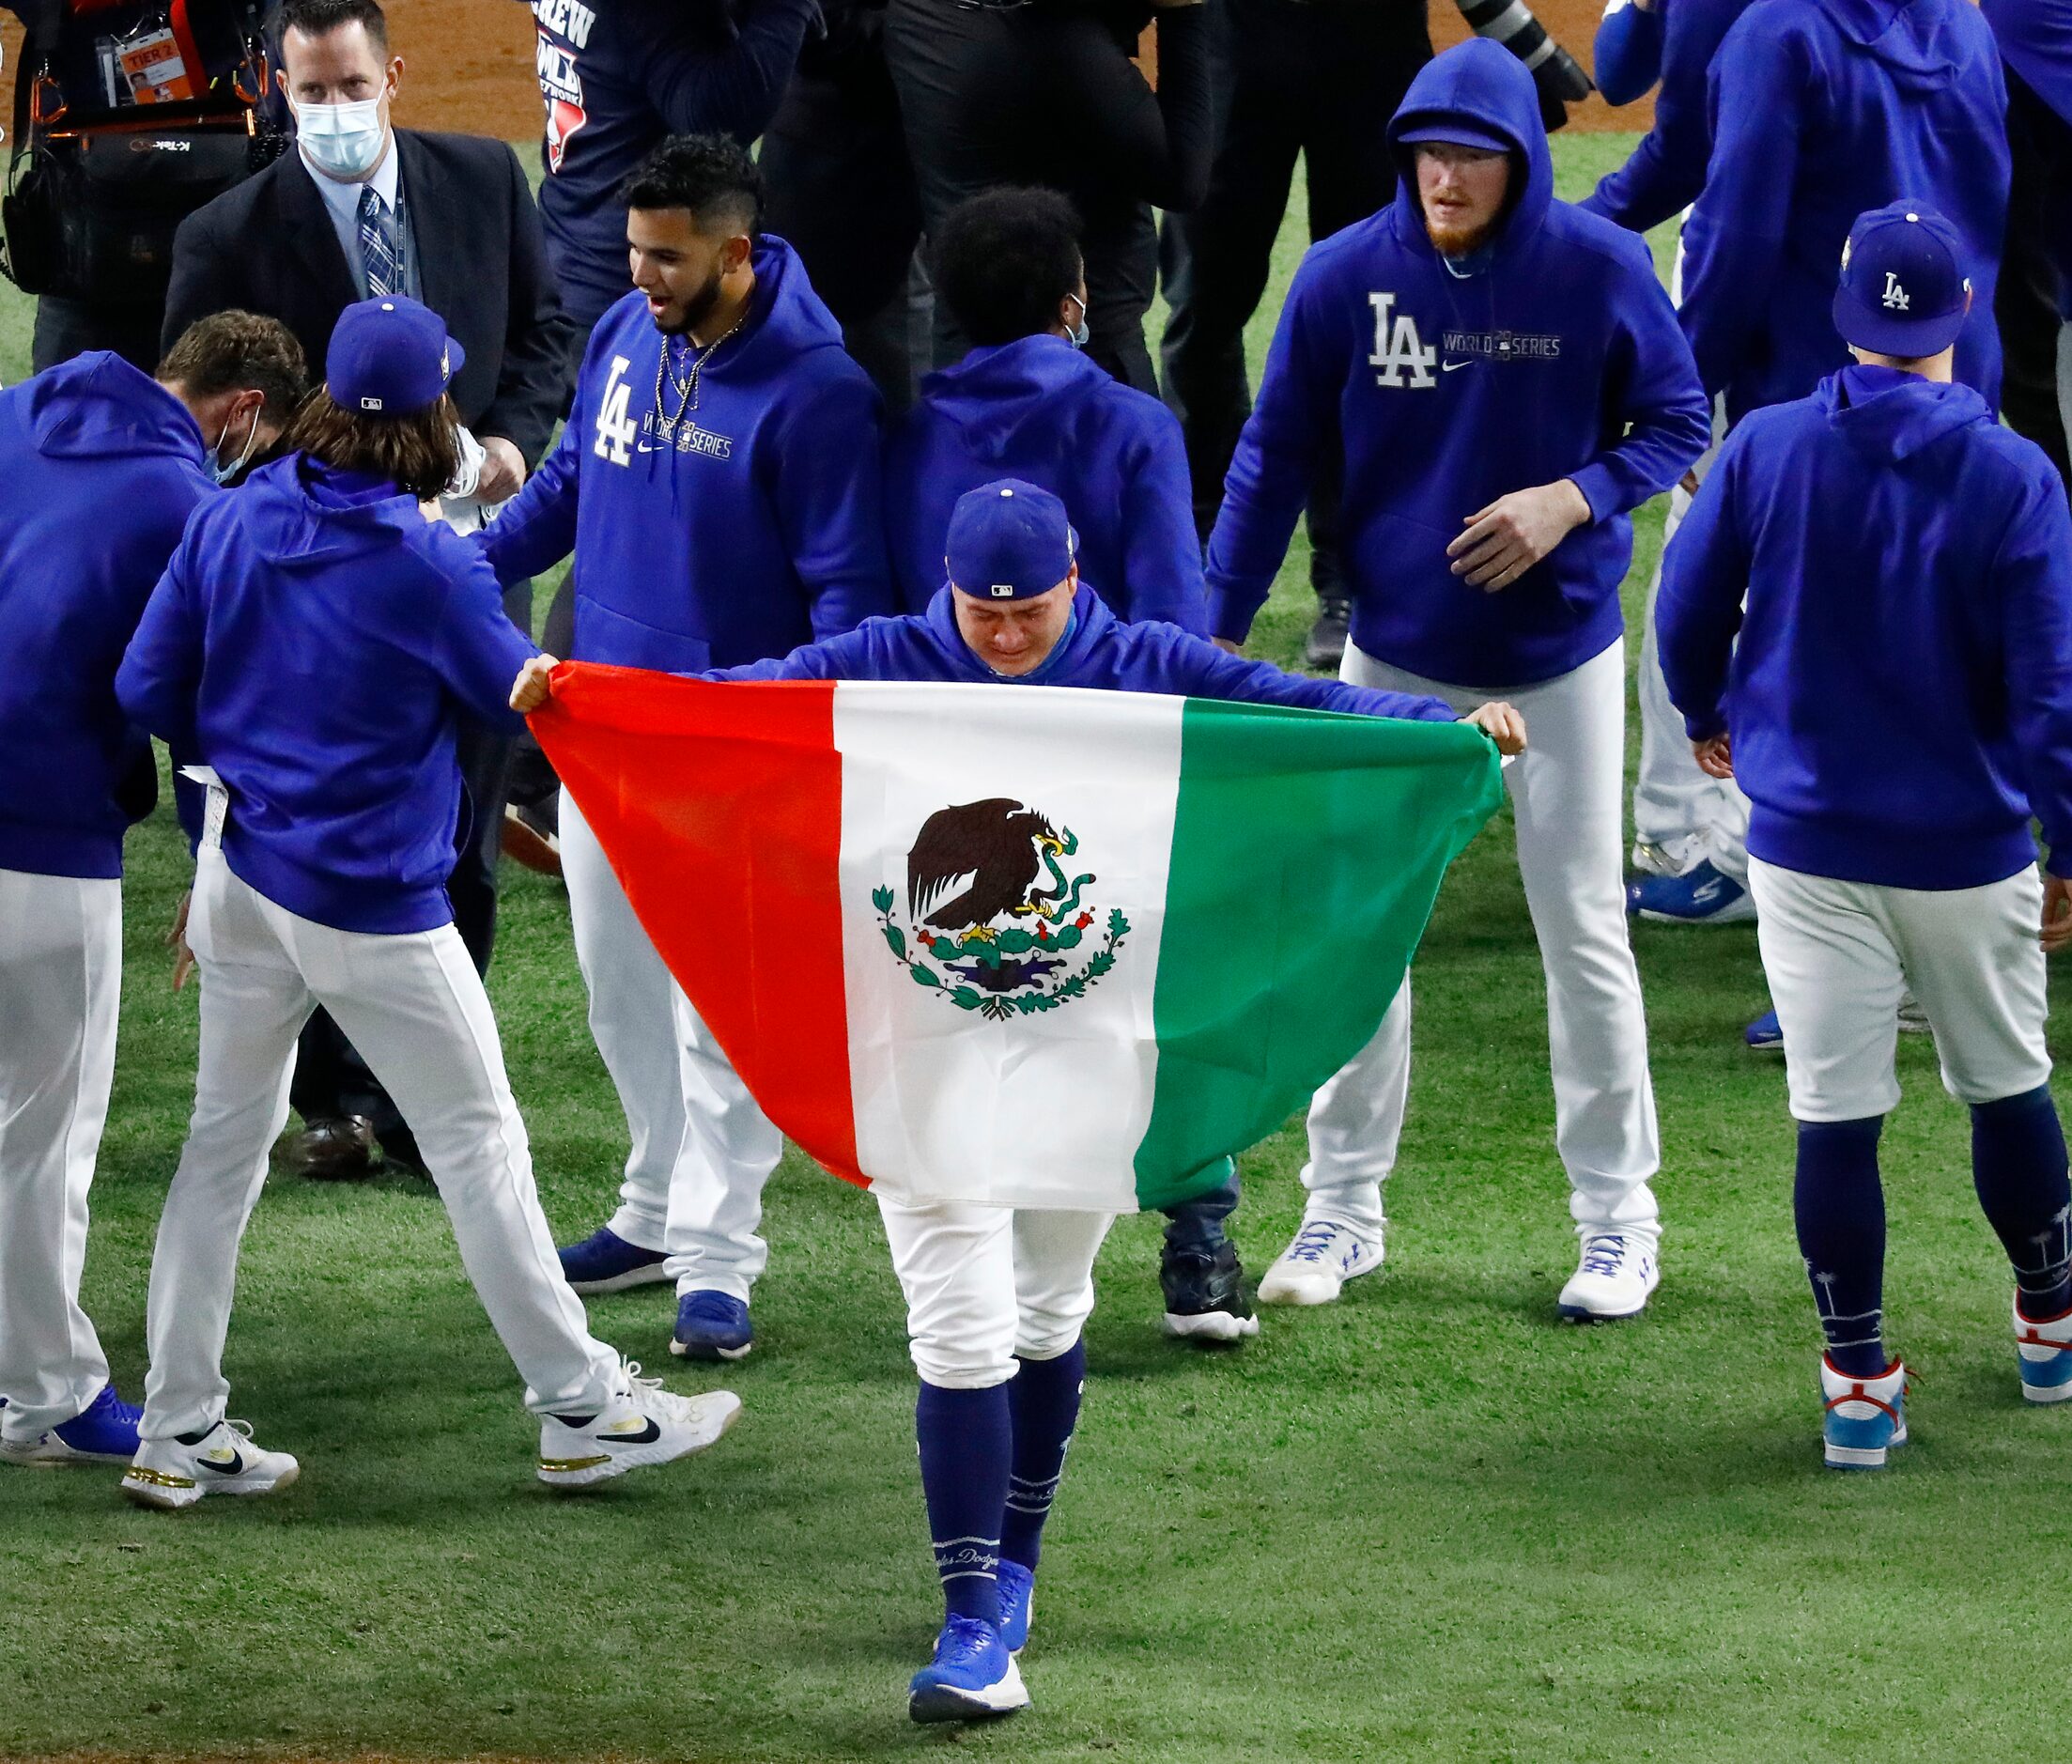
<point x="1896" y="700"/>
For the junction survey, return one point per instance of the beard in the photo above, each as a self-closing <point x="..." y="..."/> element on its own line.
<point x="695" y="309"/>
<point x="1457" y="241"/>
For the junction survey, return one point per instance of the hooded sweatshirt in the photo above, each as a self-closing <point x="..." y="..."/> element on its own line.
<point x="1823" y="110"/>
<point x="1667" y="169"/>
<point x="1036" y="408"/>
<point x="102" y="467"/>
<point x="2035" y="40"/>
<point x="313" y="640"/>
<point x="1900" y="695"/>
<point x="1098" y="651"/>
<point x="758" y="527"/>
<point x="1553" y="354"/>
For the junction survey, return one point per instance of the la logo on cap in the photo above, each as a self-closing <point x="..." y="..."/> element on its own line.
<point x="1895" y="296"/>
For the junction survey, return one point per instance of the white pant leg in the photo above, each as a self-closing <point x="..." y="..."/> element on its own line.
<point x="415" y="1008"/>
<point x="252" y="1006"/>
<point x="60" y="989"/>
<point x="1564" y="793"/>
<point x="1355" y="1124"/>
<point x="701" y="1147"/>
<point x="983" y="1284"/>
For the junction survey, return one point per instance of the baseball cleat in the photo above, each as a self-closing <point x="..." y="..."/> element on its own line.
<point x="605" y="1263"/>
<point x="972" y="1677"/>
<point x="171" y="1474"/>
<point x="105" y="1431"/>
<point x="1204" y="1295"/>
<point x="1702" y="895"/>
<point x="1613" y="1278"/>
<point x="1017" y="1603"/>
<point x="2044" y="1350"/>
<point x="1668" y="856"/>
<point x="1766" y="1036"/>
<point x="712" y="1326"/>
<point x="1865" y="1418"/>
<point x="1325" y="1255"/>
<point x="643" y="1425"/>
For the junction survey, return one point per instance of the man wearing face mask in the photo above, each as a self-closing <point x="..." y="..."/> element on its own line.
<point x="363" y="209"/>
<point x="100" y="468"/>
<point x="718" y="482"/>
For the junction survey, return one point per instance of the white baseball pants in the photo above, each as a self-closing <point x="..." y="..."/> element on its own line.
<point x="414" y="1007"/>
<point x="1564" y="793"/>
<point x="985" y="1285"/>
<point x="701" y="1147"/>
<point x="1838" y="954"/>
<point x="60" y="985"/>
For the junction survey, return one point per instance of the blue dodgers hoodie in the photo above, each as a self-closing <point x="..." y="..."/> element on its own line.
<point x="1098" y="651"/>
<point x="313" y="640"/>
<point x="100" y="468"/>
<point x="1823" y="110"/>
<point x="1666" y="171"/>
<point x="2035" y="40"/>
<point x="1900" y="695"/>
<point x="1036" y="408"/>
<point x="1554" y="353"/>
<point x="760" y="527"/>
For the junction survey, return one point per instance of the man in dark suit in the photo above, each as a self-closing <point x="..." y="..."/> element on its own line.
<point x="361" y="210"/>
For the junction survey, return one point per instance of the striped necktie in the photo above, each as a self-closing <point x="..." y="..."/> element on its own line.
<point x="377" y="247"/>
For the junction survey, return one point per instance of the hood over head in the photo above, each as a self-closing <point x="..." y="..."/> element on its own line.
<point x="1889" y="414"/>
<point x="98" y="406"/>
<point x="1918" y="42"/>
<point x="1484" y="87"/>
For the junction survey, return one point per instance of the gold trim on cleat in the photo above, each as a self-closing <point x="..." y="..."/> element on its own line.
<point x="156" y="1478"/>
<point x="562" y="1466"/>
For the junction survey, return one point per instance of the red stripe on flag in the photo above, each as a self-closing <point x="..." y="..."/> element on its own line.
<point x="720" y="806"/>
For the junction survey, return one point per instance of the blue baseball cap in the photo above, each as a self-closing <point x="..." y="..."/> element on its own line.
<point x="1008" y="540"/>
<point x="1902" y="292"/>
<point x="1440" y="128"/>
<point x="390" y="355"/>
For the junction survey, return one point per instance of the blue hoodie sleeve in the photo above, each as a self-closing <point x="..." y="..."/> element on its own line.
<point x="1197" y="668"/>
<point x="477" y="651"/>
<point x="1269" y="476"/>
<point x="537" y="528"/>
<point x="2033" y="570"/>
<point x="161" y="671"/>
<point x="1666" y="171"/>
<point x="1699" y="609"/>
<point x="1652" y="394"/>
<point x="1733" y="241"/>
<point x="1626" y="58"/>
<point x="697" y="90"/>
<point x="830" y="501"/>
<point x="1163" y="557"/>
<point x="843" y="658"/>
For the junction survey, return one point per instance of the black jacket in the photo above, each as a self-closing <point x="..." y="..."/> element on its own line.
<point x="269" y="246"/>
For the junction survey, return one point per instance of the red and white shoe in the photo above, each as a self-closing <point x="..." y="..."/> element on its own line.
<point x="2044" y="1355"/>
<point x="1865" y="1418"/>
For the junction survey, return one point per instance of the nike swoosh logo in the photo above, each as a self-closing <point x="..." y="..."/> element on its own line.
<point x="1447" y="367"/>
<point x="235" y="1467"/>
<point x="648" y="1434"/>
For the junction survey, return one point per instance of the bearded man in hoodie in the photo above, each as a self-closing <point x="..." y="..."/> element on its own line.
<point x="1504" y="378"/>
<point x="103" y="464"/>
<point x="719" y="484"/>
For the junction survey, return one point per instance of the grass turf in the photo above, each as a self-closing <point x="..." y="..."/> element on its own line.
<point x="1428" y="1523"/>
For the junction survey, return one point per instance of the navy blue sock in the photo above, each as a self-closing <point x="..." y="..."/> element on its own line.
<point x="967" y="1443"/>
<point x="2018" y="1166"/>
<point x="1840" y="1205"/>
<point x="1044" y="1396"/>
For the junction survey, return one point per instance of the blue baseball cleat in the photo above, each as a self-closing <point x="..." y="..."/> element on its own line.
<point x="1702" y="895"/>
<point x="605" y="1263"/>
<point x="2043" y="1350"/>
<point x="712" y="1326"/>
<point x="971" y="1677"/>
<point x="1865" y="1416"/>
<point x="1018" y="1598"/>
<point x="1766" y="1036"/>
<point x="105" y="1432"/>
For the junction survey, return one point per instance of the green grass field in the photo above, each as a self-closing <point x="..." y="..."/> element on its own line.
<point x="1428" y="1523"/>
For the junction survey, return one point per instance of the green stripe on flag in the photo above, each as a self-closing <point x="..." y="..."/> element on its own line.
<point x="1307" y="850"/>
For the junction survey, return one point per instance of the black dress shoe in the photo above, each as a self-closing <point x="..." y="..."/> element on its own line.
<point x="335" y="1150"/>
<point x="1328" y="635"/>
<point x="1205" y="1294"/>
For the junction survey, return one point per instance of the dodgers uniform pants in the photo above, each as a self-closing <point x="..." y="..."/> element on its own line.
<point x="414" y="1005"/>
<point x="986" y="1285"/>
<point x="60" y="983"/>
<point x="1564" y="793"/>
<point x="702" y="1148"/>
<point x="1838" y="954"/>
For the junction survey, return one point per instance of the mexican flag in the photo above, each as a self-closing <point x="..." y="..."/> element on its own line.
<point x="1033" y="946"/>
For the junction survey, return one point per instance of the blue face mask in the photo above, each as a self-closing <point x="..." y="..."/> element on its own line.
<point x="223" y="471"/>
<point x="1080" y="333"/>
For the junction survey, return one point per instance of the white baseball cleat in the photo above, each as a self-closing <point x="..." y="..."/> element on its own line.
<point x="1613" y="1278"/>
<point x="1314" y="1268"/>
<point x="643" y="1425"/>
<point x="170" y="1474"/>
